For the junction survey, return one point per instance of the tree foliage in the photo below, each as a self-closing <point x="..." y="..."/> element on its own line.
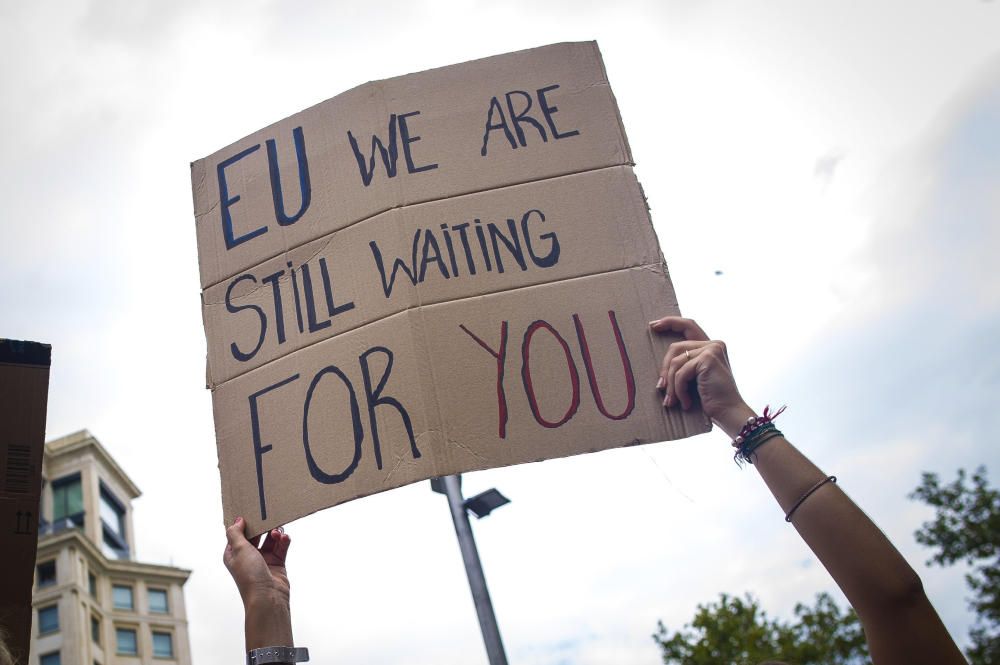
<point x="966" y="527"/>
<point x="736" y="631"/>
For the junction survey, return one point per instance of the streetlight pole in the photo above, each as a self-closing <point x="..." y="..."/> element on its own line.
<point x="474" y="570"/>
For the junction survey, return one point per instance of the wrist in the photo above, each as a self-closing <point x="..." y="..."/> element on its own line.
<point x="261" y="597"/>
<point x="732" y="419"/>
<point x="268" y="622"/>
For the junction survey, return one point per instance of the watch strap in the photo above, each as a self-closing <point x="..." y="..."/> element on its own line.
<point x="266" y="655"/>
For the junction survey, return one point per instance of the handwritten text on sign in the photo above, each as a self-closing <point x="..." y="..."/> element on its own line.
<point x="464" y="283"/>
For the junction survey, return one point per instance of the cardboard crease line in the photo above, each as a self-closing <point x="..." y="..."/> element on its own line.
<point x="652" y="267"/>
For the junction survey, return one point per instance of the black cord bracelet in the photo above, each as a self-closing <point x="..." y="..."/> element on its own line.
<point x="828" y="479"/>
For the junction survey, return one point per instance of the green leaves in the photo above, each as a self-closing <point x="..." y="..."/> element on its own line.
<point x="967" y="523"/>
<point x="966" y="527"/>
<point x="736" y="631"/>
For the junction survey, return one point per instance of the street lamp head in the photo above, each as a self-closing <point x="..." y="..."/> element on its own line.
<point x="485" y="503"/>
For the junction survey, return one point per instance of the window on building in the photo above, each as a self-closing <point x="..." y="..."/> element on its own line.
<point x="67" y="502"/>
<point x="111" y="550"/>
<point x="111" y="547"/>
<point x="92" y="584"/>
<point x="163" y="645"/>
<point x="46" y="574"/>
<point x="122" y="597"/>
<point x="50" y="659"/>
<point x="112" y="512"/>
<point x="113" y="541"/>
<point x="125" y="642"/>
<point x="48" y="619"/>
<point x="95" y="629"/>
<point x="158" y="601"/>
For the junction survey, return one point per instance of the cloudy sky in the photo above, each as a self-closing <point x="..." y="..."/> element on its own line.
<point x="837" y="162"/>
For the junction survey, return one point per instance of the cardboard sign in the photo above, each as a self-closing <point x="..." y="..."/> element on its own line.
<point x="24" y="389"/>
<point x="437" y="273"/>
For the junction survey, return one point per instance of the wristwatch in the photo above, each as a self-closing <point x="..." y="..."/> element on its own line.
<point x="277" y="655"/>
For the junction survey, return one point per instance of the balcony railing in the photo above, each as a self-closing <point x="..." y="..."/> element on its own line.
<point x="46" y="528"/>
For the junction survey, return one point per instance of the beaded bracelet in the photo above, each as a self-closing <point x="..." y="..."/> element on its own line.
<point x="757" y="431"/>
<point x="741" y="442"/>
<point x="760" y="436"/>
<point x="756" y="422"/>
<point x="747" y="452"/>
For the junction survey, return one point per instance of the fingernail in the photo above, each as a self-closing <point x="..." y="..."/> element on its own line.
<point x="660" y="383"/>
<point x="237" y="520"/>
<point x="666" y="400"/>
<point x="652" y="323"/>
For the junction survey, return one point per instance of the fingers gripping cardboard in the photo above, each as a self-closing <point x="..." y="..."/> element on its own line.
<point x="380" y="311"/>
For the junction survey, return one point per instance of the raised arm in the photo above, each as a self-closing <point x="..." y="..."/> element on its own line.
<point x="900" y="624"/>
<point x="262" y="581"/>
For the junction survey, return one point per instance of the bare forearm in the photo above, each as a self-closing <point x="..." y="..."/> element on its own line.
<point x="268" y="624"/>
<point x="866" y="566"/>
<point x="901" y="625"/>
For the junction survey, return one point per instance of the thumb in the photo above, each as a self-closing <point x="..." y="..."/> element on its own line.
<point x="235" y="533"/>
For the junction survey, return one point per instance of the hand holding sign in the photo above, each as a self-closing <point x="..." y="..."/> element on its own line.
<point x="703" y="365"/>
<point x="262" y="581"/>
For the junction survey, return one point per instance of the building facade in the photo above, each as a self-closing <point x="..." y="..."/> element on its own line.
<point x="94" y="603"/>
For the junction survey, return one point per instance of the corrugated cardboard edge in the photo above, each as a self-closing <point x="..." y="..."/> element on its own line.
<point x="626" y="148"/>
